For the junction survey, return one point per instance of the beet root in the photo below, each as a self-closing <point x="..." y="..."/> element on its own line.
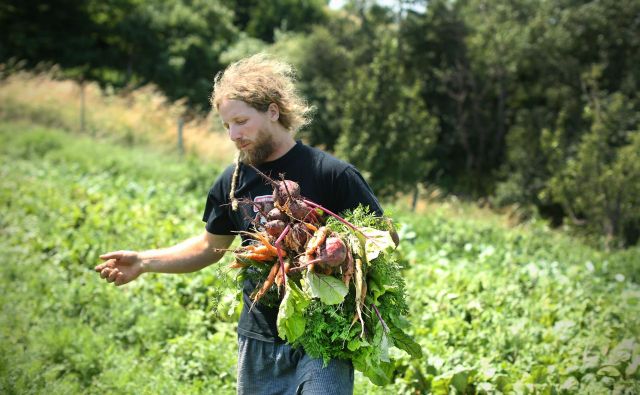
<point x="297" y="238"/>
<point x="301" y="211"/>
<point x="285" y="191"/>
<point x="333" y="252"/>
<point x="275" y="227"/>
<point x="276" y="214"/>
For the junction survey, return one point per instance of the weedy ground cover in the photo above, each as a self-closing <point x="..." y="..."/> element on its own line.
<point x="522" y="310"/>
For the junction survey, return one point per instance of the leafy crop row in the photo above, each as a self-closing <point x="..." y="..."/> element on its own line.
<point x="522" y="310"/>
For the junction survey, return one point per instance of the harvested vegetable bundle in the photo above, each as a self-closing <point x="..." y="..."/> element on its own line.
<point x="340" y="291"/>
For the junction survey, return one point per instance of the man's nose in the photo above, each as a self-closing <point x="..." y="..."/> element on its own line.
<point x="234" y="133"/>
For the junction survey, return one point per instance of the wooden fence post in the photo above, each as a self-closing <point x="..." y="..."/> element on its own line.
<point x="82" y="106"/>
<point x="180" y="142"/>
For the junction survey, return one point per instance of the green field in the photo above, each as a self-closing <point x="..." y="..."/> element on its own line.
<point x="496" y="309"/>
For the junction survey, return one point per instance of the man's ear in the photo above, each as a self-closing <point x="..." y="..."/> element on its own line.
<point x="274" y="112"/>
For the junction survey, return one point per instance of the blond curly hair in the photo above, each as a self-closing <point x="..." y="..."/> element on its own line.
<point x="260" y="80"/>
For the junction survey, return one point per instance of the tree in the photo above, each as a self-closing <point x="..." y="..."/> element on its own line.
<point x="599" y="186"/>
<point x="386" y="129"/>
<point x="565" y="42"/>
<point x="260" y="19"/>
<point x="175" y="44"/>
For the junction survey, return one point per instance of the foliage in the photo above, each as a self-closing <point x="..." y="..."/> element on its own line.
<point x="522" y="310"/>
<point x="461" y="94"/>
<point x="386" y="130"/>
<point x="174" y="44"/>
<point x="64" y="201"/>
<point x="260" y="19"/>
<point x="319" y="311"/>
<point x="571" y="55"/>
<point x="599" y="185"/>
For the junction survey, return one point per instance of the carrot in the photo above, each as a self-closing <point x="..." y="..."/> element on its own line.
<point x="256" y="257"/>
<point x="238" y="265"/>
<point x="311" y="227"/>
<point x="317" y="239"/>
<point x="262" y="250"/>
<point x="280" y="251"/>
<point x="266" y="243"/>
<point x="268" y="282"/>
<point x="263" y="239"/>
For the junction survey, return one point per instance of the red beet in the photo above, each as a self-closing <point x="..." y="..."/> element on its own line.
<point x="276" y="214"/>
<point x="300" y="210"/>
<point x="275" y="227"/>
<point x="333" y="252"/>
<point x="284" y="191"/>
<point x="297" y="237"/>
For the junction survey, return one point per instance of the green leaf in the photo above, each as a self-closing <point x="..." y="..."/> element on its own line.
<point x="356" y="343"/>
<point x="460" y="379"/>
<point x="329" y="289"/>
<point x="378" y="284"/>
<point x="405" y="342"/>
<point x="632" y="369"/>
<point x="379" y="373"/>
<point x="291" y="322"/>
<point x="621" y="353"/>
<point x="377" y="242"/>
<point x="571" y="384"/>
<point x="385" y="342"/>
<point x="609" y="371"/>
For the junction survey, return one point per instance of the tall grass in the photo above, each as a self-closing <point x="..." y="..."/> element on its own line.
<point x="140" y="116"/>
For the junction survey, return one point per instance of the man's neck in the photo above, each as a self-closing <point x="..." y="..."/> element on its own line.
<point x="284" y="142"/>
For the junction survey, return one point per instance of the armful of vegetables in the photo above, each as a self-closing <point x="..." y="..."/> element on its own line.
<point x="329" y="273"/>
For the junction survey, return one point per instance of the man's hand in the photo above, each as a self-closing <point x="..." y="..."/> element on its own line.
<point x="120" y="267"/>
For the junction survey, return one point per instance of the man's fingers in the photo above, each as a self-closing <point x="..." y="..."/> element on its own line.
<point x="105" y="272"/>
<point x="119" y="279"/>
<point x="108" y="264"/>
<point x="111" y="255"/>
<point x="112" y="276"/>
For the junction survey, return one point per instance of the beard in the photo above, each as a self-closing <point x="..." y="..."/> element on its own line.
<point x="261" y="149"/>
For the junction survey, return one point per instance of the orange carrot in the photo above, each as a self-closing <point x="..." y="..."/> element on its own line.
<point x="311" y="227"/>
<point x="266" y="243"/>
<point x="238" y="265"/>
<point x="268" y="282"/>
<point x="256" y="257"/>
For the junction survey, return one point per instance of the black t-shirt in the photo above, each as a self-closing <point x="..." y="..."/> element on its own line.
<point x="323" y="179"/>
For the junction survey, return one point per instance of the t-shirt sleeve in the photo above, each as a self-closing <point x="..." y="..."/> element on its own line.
<point x="352" y="190"/>
<point x="216" y="212"/>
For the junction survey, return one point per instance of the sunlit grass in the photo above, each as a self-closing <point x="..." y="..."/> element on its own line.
<point x="140" y="116"/>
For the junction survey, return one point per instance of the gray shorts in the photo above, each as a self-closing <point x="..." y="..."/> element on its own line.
<point x="275" y="368"/>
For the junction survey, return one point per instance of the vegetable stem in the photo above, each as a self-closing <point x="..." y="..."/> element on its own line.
<point x="334" y="215"/>
<point x="384" y="324"/>
<point x="279" y="251"/>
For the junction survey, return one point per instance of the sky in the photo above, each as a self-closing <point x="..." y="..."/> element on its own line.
<point x="393" y="4"/>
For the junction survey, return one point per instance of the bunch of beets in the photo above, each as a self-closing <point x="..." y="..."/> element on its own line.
<point x="295" y="239"/>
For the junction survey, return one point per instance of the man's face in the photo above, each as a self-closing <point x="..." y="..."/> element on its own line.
<point x="249" y="129"/>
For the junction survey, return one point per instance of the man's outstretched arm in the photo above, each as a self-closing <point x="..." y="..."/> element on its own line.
<point x="121" y="267"/>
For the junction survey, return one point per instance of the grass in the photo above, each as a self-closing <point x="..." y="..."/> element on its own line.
<point x="142" y="116"/>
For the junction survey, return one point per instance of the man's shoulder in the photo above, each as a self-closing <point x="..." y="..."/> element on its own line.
<point x="227" y="172"/>
<point x="223" y="179"/>
<point x="324" y="161"/>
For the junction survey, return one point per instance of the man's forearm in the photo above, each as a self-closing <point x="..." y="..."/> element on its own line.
<point x="189" y="256"/>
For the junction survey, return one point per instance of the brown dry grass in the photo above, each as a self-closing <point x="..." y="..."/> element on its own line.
<point x="141" y="116"/>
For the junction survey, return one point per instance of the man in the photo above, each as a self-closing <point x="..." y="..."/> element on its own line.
<point x="260" y="109"/>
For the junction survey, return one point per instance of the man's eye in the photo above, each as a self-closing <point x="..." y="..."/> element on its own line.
<point x="242" y="122"/>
